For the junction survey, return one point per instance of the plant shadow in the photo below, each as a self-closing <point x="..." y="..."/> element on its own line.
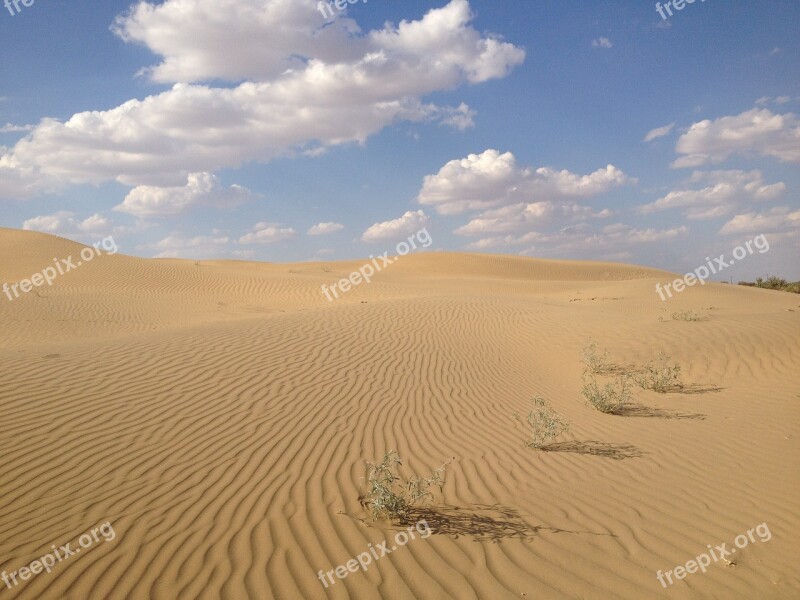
<point x="690" y="388"/>
<point x="640" y="410"/>
<point x="698" y="388"/>
<point x="481" y="522"/>
<point x="595" y="448"/>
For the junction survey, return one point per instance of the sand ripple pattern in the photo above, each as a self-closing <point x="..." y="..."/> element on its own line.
<point x="226" y="444"/>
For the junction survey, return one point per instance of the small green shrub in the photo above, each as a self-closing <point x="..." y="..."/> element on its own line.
<point x="611" y="398"/>
<point x="545" y="423"/>
<point x="596" y="363"/>
<point x="794" y="288"/>
<point x="660" y="377"/>
<point x="773" y="282"/>
<point x="391" y="497"/>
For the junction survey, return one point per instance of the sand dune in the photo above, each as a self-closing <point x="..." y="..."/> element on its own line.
<point x="219" y="413"/>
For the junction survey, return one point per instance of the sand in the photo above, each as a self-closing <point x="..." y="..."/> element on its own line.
<point x="218" y="415"/>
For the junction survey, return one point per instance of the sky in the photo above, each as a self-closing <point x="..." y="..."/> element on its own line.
<point x="284" y="131"/>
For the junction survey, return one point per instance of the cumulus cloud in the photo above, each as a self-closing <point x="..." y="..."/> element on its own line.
<point x="658" y="132"/>
<point x="267" y="233"/>
<point x="777" y="219"/>
<point x="299" y="87"/>
<point x="756" y="132"/>
<point x="201" y="189"/>
<point x="489" y="179"/>
<point x="272" y="27"/>
<point x="325" y="228"/>
<point x="602" y="42"/>
<point x="723" y="192"/>
<point x="65" y="223"/>
<point x="411" y="222"/>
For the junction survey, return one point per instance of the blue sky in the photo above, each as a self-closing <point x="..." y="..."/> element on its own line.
<point x="259" y="129"/>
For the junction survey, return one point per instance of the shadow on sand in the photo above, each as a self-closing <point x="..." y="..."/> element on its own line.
<point x="640" y="410"/>
<point x="481" y="522"/>
<point x="595" y="448"/>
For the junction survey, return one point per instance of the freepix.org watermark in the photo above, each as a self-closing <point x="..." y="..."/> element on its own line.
<point x="702" y="272"/>
<point x="51" y="559"/>
<point x="363" y="560"/>
<point x="366" y="272"/>
<point x="63" y="266"/>
<point x="676" y="4"/>
<point x="703" y="561"/>
<point x="339" y="4"/>
<point x="15" y="3"/>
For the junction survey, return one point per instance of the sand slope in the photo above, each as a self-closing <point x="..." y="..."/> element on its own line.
<point x="218" y="415"/>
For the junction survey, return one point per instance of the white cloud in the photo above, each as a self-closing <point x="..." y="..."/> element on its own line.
<point x="508" y="218"/>
<point x="11" y="128"/>
<point x="754" y="132"/>
<point x="201" y="189"/>
<point x="581" y="240"/>
<point x="267" y="233"/>
<point x="630" y="235"/>
<point x="658" y="132"/>
<point x="581" y="212"/>
<point x="602" y="42"/>
<point x="306" y="88"/>
<point x="773" y="100"/>
<point x="724" y="192"/>
<point x="325" y="228"/>
<point x="520" y="216"/>
<point x="411" y="222"/>
<point x="460" y="118"/>
<point x="776" y="219"/>
<point x="482" y="181"/>
<point x="65" y="223"/>
<point x="285" y="35"/>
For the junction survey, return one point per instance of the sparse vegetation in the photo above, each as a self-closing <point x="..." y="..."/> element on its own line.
<point x="659" y="377"/>
<point x="611" y="398"/>
<point x="596" y="363"/>
<point x="773" y="282"/>
<point x="390" y="496"/>
<point x="545" y="423"/>
<point x="687" y="315"/>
